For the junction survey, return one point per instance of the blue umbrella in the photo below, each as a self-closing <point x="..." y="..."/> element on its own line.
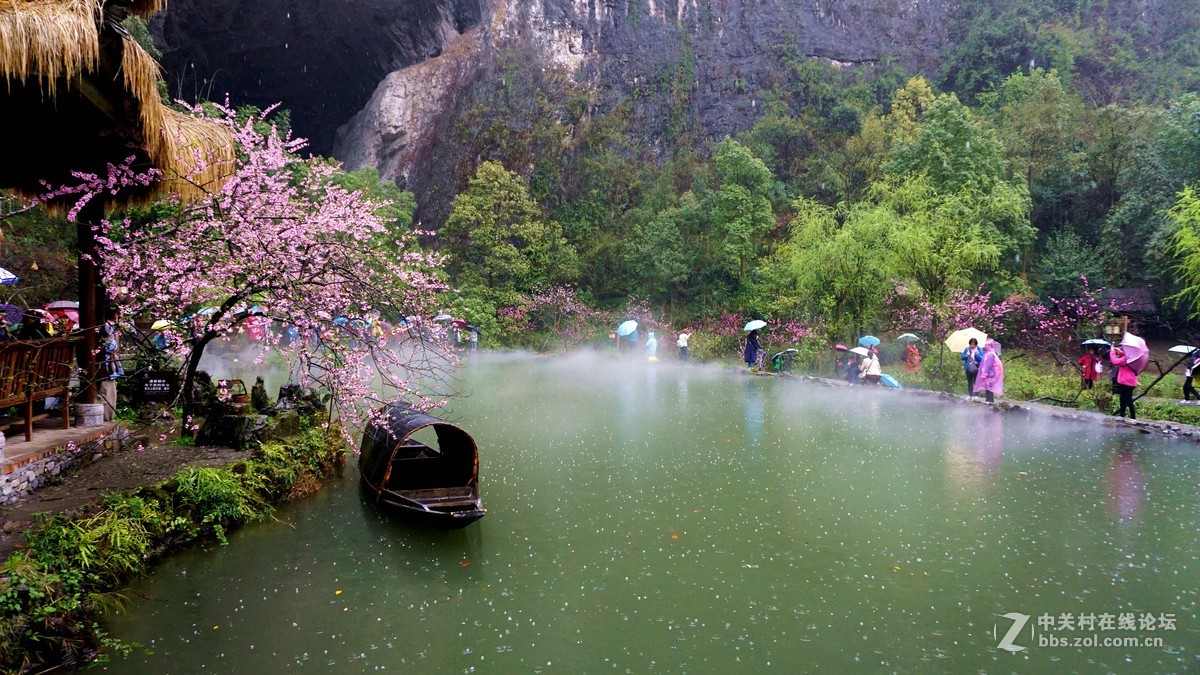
<point x="868" y="341"/>
<point x="889" y="381"/>
<point x="755" y="325"/>
<point x="627" y="328"/>
<point x="7" y="277"/>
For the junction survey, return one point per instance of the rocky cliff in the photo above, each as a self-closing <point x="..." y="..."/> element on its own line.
<point x="702" y="60"/>
<point x="321" y="58"/>
<point x="384" y="68"/>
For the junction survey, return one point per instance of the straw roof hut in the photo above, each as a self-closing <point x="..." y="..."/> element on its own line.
<point x="79" y="93"/>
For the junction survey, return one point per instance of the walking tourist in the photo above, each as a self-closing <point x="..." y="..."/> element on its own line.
<point x="1090" y="368"/>
<point x="912" y="358"/>
<point x="1189" y="369"/>
<point x="1126" y="381"/>
<point x="971" y="358"/>
<point x="990" y="378"/>
<point x="750" y="354"/>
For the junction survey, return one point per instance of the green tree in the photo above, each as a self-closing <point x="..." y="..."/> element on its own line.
<point x="1063" y="264"/>
<point x="952" y="148"/>
<point x="1039" y="122"/>
<point x="499" y="241"/>
<point x="743" y="211"/>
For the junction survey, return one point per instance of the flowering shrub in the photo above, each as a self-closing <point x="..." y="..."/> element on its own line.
<point x="1018" y="321"/>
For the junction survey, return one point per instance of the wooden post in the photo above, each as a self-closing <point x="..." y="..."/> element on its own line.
<point x="90" y="299"/>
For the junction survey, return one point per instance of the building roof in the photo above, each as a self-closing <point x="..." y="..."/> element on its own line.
<point x="79" y="93"/>
<point x="1131" y="300"/>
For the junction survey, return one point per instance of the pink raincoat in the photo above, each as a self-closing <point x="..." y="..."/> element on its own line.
<point x="991" y="370"/>
<point x="1125" y="374"/>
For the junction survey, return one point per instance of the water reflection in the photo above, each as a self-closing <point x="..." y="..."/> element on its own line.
<point x="974" y="445"/>
<point x="989" y="440"/>
<point x="1126" y="484"/>
<point x="752" y="413"/>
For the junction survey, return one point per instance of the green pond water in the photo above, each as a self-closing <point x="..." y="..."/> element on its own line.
<point x="657" y="518"/>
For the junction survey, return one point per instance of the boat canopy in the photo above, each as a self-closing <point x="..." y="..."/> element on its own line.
<point x="389" y="439"/>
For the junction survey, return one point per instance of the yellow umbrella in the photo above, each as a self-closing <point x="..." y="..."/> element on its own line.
<point x="161" y="324"/>
<point x="958" y="339"/>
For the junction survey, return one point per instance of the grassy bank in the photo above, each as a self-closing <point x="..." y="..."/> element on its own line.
<point x="53" y="593"/>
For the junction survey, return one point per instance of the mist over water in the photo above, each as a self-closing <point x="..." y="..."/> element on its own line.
<point x="667" y="518"/>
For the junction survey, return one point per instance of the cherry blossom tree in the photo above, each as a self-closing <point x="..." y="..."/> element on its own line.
<point x="283" y="234"/>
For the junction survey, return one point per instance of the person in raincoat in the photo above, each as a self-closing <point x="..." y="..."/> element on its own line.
<point x="912" y="358"/>
<point x="750" y="354"/>
<point x="1090" y="368"/>
<point x="651" y="346"/>
<point x="1125" y="383"/>
<point x="972" y="356"/>
<point x="990" y="379"/>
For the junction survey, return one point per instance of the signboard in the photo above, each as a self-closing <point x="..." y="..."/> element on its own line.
<point x="160" y="386"/>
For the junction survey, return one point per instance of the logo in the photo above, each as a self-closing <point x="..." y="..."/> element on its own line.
<point x="1018" y="623"/>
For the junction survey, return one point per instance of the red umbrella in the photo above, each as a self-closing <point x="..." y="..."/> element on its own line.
<point x="1137" y="354"/>
<point x="459" y="323"/>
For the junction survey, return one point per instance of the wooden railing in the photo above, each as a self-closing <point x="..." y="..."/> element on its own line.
<point x="34" y="370"/>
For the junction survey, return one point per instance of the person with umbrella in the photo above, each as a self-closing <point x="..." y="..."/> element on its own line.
<point x="750" y="354"/>
<point x="871" y="372"/>
<point x="990" y="378"/>
<point x="912" y="357"/>
<point x="1126" y="380"/>
<point x="1090" y="367"/>
<point x="972" y="357"/>
<point x="1189" y="369"/>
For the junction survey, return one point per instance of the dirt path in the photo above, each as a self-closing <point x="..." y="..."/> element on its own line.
<point x="123" y="470"/>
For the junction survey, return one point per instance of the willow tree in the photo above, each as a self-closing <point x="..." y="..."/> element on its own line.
<point x="945" y="241"/>
<point x="1185" y="244"/>
<point x="839" y="263"/>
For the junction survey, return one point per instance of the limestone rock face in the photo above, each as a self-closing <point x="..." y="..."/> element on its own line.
<point x="385" y="69"/>
<point x="625" y="50"/>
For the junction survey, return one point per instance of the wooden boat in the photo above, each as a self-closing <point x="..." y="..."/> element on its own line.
<point x="436" y="485"/>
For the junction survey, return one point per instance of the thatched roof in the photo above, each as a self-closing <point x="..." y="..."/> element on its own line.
<point x="80" y="93"/>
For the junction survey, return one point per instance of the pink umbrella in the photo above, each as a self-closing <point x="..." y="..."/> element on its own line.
<point x="840" y="347"/>
<point x="1137" y="354"/>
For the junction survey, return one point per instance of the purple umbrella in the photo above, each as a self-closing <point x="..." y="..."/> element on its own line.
<point x="1137" y="354"/>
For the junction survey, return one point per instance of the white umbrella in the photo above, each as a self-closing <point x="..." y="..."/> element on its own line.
<point x="7" y="277"/>
<point x="1182" y="349"/>
<point x="907" y="337"/>
<point x="861" y="351"/>
<point x="755" y="325"/>
<point x="961" y="339"/>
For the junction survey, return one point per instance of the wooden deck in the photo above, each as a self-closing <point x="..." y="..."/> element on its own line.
<point x="48" y="438"/>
